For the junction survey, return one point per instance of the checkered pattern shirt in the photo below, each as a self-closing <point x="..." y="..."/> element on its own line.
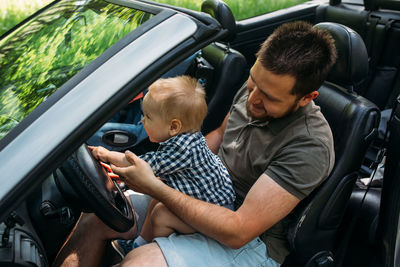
<point x="185" y="163"/>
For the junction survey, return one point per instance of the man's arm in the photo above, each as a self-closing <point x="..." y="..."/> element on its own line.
<point x="265" y="204"/>
<point x="214" y="138"/>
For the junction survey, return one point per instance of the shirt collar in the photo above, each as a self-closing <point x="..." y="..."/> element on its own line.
<point x="181" y="136"/>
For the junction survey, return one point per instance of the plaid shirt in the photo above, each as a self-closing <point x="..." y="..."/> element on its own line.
<point x="185" y="163"/>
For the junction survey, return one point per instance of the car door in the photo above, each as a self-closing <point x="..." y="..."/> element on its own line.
<point x="388" y="236"/>
<point x="37" y="144"/>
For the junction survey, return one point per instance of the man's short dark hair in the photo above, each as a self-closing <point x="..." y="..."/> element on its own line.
<point x="302" y="51"/>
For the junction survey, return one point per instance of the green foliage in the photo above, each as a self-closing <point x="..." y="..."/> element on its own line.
<point x="13" y="12"/>
<point x="251" y="8"/>
<point x="38" y="58"/>
<point x="242" y="9"/>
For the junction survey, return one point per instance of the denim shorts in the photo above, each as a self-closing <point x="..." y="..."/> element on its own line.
<point x="197" y="250"/>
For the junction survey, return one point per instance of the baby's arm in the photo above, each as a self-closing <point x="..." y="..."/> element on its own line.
<point x="113" y="157"/>
<point x="164" y="222"/>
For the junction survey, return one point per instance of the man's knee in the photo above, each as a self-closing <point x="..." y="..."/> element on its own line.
<point x="147" y="255"/>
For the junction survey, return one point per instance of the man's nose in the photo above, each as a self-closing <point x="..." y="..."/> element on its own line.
<point x="254" y="95"/>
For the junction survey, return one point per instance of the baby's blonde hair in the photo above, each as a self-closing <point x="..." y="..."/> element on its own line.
<point x="180" y="98"/>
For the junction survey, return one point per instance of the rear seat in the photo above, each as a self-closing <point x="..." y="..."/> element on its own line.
<point x="378" y="23"/>
<point x="384" y="85"/>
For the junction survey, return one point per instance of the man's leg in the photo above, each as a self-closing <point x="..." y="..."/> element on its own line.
<point x="149" y="255"/>
<point x="201" y="251"/>
<point x="198" y="250"/>
<point x="86" y="244"/>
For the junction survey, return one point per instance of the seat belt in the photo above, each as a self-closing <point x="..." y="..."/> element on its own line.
<point x="341" y="252"/>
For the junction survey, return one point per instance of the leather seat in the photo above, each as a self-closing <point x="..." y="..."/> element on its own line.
<point x="388" y="232"/>
<point x="229" y="67"/>
<point x="315" y="223"/>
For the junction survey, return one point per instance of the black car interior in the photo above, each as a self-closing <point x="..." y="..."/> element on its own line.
<point x="379" y="26"/>
<point x="230" y="67"/>
<point x="378" y="23"/>
<point x="343" y="222"/>
<point x="387" y="230"/>
<point x="364" y="82"/>
<point x="354" y="121"/>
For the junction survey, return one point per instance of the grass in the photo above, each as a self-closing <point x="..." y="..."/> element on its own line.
<point x="242" y="9"/>
<point x="14" y="11"/>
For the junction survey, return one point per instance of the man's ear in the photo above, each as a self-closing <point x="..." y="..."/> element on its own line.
<point x="308" y="98"/>
<point x="175" y="127"/>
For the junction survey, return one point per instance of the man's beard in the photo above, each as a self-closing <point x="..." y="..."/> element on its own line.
<point x="267" y="117"/>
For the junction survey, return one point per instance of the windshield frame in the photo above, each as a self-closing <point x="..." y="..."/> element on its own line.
<point x="46" y="52"/>
<point x="29" y="155"/>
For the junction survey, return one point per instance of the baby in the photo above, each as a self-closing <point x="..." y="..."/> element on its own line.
<point x="174" y="110"/>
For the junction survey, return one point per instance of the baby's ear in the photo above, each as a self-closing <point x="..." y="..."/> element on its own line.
<point x="175" y="127"/>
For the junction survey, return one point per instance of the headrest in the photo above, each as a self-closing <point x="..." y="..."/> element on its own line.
<point x="372" y="5"/>
<point x="351" y="67"/>
<point x="223" y="14"/>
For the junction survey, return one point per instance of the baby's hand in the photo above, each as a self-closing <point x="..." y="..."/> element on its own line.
<point x="107" y="156"/>
<point x="100" y="153"/>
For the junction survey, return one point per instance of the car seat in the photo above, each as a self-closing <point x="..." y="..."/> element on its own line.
<point x="229" y="67"/>
<point x="378" y="23"/>
<point x="314" y="224"/>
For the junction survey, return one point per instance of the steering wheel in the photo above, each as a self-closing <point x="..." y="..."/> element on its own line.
<point x="96" y="192"/>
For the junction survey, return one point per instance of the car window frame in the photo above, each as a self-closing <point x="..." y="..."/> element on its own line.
<point x="19" y="180"/>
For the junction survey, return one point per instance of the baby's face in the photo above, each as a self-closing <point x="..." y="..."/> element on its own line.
<point x="154" y="124"/>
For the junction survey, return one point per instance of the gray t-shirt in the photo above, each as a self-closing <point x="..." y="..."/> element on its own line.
<point x="295" y="151"/>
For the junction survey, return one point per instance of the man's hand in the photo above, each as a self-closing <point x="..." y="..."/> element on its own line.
<point x="138" y="175"/>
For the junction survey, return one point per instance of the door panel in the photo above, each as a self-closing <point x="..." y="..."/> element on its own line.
<point x="389" y="217"/>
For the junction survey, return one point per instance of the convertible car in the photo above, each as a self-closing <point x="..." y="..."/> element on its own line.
<point x="75" y="72"/>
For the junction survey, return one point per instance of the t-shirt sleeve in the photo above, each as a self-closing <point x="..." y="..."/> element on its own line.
<point x="301" y="166"/>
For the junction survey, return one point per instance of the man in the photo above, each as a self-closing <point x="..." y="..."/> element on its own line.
<point x="277" y="147"/>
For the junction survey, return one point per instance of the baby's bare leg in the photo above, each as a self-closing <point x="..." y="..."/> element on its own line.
<point x="164" y="222"/>
<point x="147" y="233"/>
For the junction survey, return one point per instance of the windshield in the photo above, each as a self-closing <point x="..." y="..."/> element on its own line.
<point x="40" y="56"/>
